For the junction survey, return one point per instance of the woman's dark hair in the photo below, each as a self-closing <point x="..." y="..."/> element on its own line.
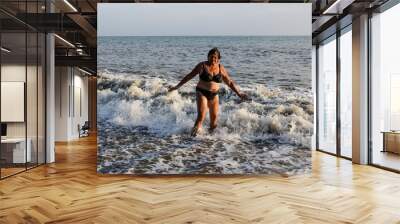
<point x="213" y="51"/>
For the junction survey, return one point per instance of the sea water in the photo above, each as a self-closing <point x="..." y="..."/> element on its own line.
<point x="142" y="129"/>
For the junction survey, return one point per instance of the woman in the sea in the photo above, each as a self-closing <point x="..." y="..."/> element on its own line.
<point x="212" y="73"/>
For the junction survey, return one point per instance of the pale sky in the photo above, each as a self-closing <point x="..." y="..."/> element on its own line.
<point x="204" y="19"/>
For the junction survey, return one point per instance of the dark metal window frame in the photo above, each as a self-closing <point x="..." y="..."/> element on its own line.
<point x="339" y="32"/>
<point x="389" y="4"/>
<point x="381" y="9"/>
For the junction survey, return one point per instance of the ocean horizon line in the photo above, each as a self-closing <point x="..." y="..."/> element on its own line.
<point x="204" y="36"/>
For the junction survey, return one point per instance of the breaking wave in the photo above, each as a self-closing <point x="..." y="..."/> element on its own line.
<point x="283" y="114"/>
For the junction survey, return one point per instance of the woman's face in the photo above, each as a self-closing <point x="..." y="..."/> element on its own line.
<point x="213" y="59"/>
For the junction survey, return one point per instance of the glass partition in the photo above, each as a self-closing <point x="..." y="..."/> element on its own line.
<point x="35" y="87"/>
<point x="41" y="88"/>
<point x="31" y="99"/>
<point x="327" y="95"/>
<point x="13" y="94"/>
<point x="385" y="89"/>
<point x="22" y="77"/>
<point x="346" y="93"/>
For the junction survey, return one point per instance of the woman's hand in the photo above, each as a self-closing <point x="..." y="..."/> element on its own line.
<point x="172" y="88"/>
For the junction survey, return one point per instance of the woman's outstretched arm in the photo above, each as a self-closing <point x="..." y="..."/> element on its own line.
<point x="229" y="82"/>
<point x="187" y="78"/>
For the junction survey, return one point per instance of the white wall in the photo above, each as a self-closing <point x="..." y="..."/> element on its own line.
<point x="70" y="84"/>
<point x="80" y="109"/>
<point x="33" y="126"/>
<point x="62" y="81"/>
<point x="14" y="72"/>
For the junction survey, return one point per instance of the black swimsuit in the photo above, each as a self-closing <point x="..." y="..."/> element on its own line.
<point x="207" y="77"/>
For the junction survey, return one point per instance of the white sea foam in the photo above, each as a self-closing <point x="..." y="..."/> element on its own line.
<point x="273" y="112"/>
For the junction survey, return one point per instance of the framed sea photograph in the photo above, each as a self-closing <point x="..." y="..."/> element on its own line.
<point x="204" y="89"/>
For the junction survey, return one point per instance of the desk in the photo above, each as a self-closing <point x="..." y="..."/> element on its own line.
<point x="15" y="148"/>
<point x="391" y="141"/>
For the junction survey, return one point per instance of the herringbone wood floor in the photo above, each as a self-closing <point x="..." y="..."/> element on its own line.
<point x="70" y="191"/>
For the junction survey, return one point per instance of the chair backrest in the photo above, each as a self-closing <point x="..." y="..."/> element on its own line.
<point x="86" y="125"/>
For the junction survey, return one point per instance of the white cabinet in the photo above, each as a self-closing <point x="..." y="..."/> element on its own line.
<point x="18" y="149"/>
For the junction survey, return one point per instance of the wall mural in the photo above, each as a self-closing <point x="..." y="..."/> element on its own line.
<point x="204" y="103"/>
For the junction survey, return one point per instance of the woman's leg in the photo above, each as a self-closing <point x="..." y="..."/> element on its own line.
<point x="213" y="105"/>
<point x="201" y="112"/>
